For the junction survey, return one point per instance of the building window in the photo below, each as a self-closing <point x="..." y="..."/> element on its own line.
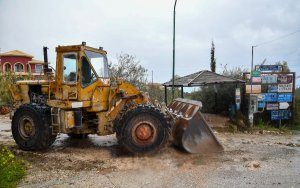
<point x="7" y="67"/>
<point x="28" y="68"/>
<point x="39" y="68"/>
<point x="19" y="67"/>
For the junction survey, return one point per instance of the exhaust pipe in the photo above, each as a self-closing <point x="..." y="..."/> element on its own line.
<point x="46" y="63"/>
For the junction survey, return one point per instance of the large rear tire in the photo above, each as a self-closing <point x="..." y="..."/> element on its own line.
<point x="31" y="127"/>
<point x="143" y="130"/>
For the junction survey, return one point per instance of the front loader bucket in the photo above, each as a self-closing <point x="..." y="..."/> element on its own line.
<point x="190" y="130"/>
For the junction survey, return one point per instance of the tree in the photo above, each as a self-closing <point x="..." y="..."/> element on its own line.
<point x="217" y="98"/>
<point x="129" y="69"/>
<point x="284" y="66"/>
<point x="212" y="58"/>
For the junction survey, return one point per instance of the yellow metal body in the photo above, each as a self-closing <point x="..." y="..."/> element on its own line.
<point x="99" y="98"/>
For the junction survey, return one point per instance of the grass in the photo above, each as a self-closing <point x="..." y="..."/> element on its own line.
<point x="11" y="168"/>
<point x="262" y="125"/>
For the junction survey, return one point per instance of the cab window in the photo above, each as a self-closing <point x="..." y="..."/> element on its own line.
<point x="87" y="74"/>
<point x="69" y="68"/>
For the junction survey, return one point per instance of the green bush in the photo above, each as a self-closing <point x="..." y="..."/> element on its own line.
<point x="11" y="169"/>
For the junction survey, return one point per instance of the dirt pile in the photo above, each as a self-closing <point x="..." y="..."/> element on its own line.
<point x="4" y="110"/>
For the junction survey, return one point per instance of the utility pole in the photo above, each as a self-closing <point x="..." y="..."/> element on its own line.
<point x="250" y="111"/>
<point x="173" y="73"/>
<point x="152" y="77"/>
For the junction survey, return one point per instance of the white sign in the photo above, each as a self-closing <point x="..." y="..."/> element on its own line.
<point x="269" y="79"/>
<point x="284" y="105"/>
<point x="284" y="88"/>
<point x="237" y="91"/>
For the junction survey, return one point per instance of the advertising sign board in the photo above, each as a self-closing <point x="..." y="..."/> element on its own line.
<point x="272" y="106"/>
<point x="285" y="97"/>
<point x="256" y="80"/>
<point x="285" y="88"/>
<point x="269" y="78"/>
<point x="261" y="104"/>
<point x="269" y="97"/>
<point x="280" y="114"/>
<point x="284" y="105"/>
<point x="253" y="88"/>
<point x="272" y="88"/>
<point x="255" y="73"/>
<point x="285" y="79"/>
<point x="269" y="68"/>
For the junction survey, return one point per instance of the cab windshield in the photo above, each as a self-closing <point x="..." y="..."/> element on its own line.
<point x="99" y="63"/>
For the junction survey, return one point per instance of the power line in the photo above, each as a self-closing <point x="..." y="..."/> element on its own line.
<point x="281" y="37"/>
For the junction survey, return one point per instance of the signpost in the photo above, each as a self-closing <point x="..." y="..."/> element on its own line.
<point x="238" y="98"/>
<point x="256" y="80"/>
<point x="272" y="106"/>
<point x="274" y="90"/>
<point x="284" y="105"/>
<point x="280" y="114"/>
<point x="285" y="88"/>
<point x="269" y="79"/>
<point x="285" y="79"/>
<point x="256" y="73"/>
<point x="269" y="97"/>
<point x="253" y="88"/>
<point x="269" y="68"/>
<point x="287" y="97"/>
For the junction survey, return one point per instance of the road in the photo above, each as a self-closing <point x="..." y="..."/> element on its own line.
<point x="249" y="160"/>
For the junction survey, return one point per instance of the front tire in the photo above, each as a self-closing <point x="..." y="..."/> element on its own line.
<point x="31" y="127"/>
<point x="144" y="130"/>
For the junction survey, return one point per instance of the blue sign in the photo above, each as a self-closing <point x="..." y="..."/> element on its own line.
<point x="269" y="97"/>
<point x="280" y="114"/>
<point x="285" y="97"/>
<point x="269" y="67"/>
<point x="272" y="88"/>
<point x="261" y="104"/>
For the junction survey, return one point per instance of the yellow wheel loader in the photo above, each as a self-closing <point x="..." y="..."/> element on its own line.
<point x="80" y="100"/>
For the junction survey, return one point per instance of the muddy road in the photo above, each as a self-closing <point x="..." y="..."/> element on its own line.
<point x="249" y="160"/>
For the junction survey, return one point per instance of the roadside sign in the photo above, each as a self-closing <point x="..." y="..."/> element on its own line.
<point x="284" y="105"/>
<point x="253" y="88"/>
<point x="285" y="97"/>
<point x="256" y="80"/>
<point x="255" y="73"/>
<point x="269" y="79"/>
<point x="272" y="88"/>
<point x="280" y="114"/>
<point x="269" y="68"/>
<point x="237" y="91"/>
<point x="269" y="97"/>
<point x="261" y="104"/>
<point x="285" y="88"/>
<point x="260" y="97"/>
<point x="285" y="79"/>
<point x="272" y="106"/>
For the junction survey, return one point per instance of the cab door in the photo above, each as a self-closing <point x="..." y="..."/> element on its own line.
<point x="70" y="76"/>
<point x="93" y="88"/>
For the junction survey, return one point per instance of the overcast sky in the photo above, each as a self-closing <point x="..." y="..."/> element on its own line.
<point x="144" y="28"/>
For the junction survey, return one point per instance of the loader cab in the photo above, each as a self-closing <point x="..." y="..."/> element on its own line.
<point x="80" y="71"/>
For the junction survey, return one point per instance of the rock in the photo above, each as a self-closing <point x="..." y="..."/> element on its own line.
<point x="253" y="164"/>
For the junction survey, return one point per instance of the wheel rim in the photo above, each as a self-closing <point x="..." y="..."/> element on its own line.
<point x="26" y="127"/>
<point x="144" y="133"/>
